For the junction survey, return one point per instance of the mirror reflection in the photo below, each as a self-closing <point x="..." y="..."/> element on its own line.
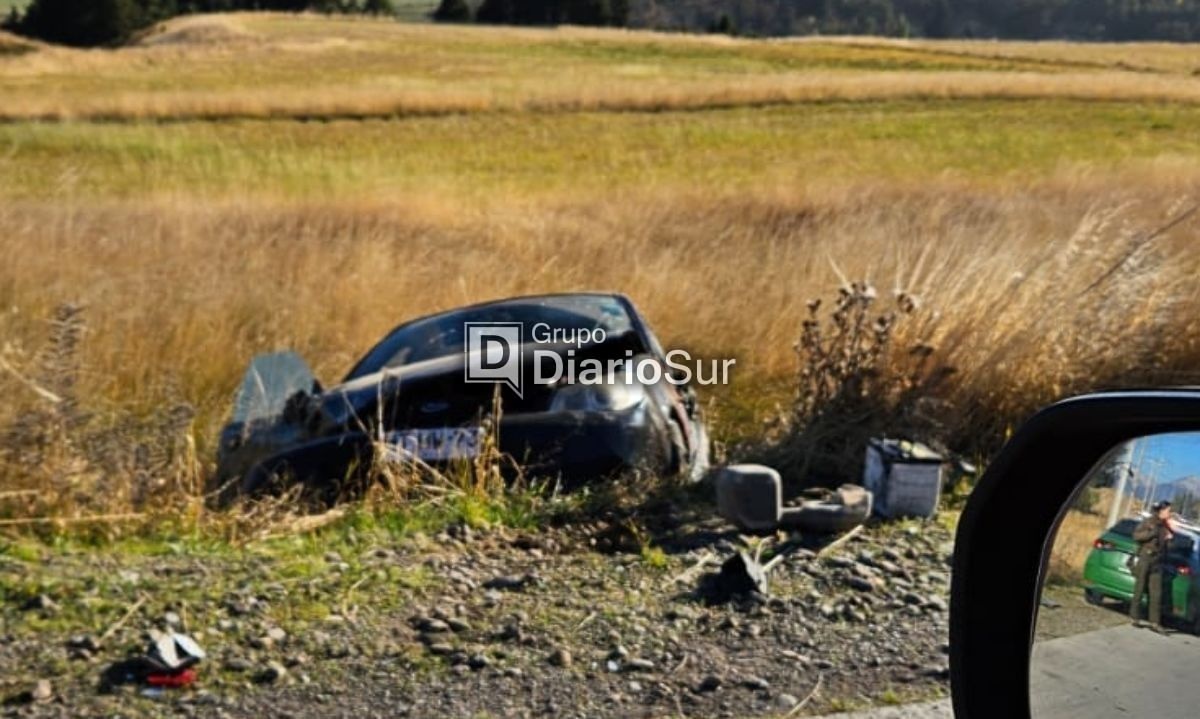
<point x="1118" y="621"/>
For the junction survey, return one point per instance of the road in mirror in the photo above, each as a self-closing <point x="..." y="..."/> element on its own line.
<point x="1118" y="631"/>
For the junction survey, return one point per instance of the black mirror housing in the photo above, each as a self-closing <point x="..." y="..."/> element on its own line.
<point x="1003" y="535"/>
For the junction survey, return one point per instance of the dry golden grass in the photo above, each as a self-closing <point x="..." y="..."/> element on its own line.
<point x="1152" y="57"/>
<point x="1073" y="544"/>
<point x="192" y="290"/>
<point x="245" y="66"/>
<point x="654" y="96"/>
<point x="196" y="245"/>
<point x="1080" y="527"/>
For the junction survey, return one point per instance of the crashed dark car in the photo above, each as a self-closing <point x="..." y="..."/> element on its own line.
<point x="413" y="394"/>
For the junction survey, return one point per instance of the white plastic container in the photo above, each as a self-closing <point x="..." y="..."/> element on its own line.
<point x="905" y="478"/>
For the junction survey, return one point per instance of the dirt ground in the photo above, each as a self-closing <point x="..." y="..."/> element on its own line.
<point x="1064" y="612"/>
<point x="570" y="622"/>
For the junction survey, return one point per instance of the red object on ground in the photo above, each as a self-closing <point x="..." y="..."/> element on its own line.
<point x="179" y="679"/>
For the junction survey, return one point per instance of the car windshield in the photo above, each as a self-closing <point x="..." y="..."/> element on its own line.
<point x="441" y="335"/>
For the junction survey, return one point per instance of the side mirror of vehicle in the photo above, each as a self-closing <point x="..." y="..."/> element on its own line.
<point x="1075" y="590"/>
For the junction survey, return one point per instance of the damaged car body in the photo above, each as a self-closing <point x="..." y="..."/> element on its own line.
<point x="412" y="396"/>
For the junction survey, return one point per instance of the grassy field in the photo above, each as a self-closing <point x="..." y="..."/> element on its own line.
<point x="246" y="66"/>
<point x="233" y="184"/>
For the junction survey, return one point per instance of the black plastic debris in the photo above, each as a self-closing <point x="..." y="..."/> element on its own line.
<point x="740" y="576"/>
<point x="169" y="661"/>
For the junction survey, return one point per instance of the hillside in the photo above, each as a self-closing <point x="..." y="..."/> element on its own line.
<point x="1178" y="489"/>
<point x="245" y="65"/>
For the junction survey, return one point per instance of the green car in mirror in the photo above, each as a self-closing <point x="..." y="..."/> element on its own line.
<point x="1076" y="560"/>
<point x="1108" y="572"/>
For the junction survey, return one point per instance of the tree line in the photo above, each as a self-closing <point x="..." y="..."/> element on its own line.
<point x="105" y="22"/>
<point x="1117" y="20"/>
<point x="613" y="13"/>
<point x="1172" y="20"/>
<point x="99" y="22"/>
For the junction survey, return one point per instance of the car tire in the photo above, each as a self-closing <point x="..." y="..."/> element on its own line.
<point x="1093" y="597"/>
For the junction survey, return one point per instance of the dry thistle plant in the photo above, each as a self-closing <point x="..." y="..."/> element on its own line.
<point x="853" y="383"/>
<point x="63" y="462"/>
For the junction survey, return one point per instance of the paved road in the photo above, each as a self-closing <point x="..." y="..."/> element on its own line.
<point x="1118" y="672"/>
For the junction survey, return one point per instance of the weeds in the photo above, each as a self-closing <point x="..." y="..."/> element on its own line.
<point x="853" y="384"/>
<point x="90" y="467"/>
<point x="112" y="469"/>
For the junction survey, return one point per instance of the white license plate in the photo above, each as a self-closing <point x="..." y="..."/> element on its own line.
<point x="440" y="444"/>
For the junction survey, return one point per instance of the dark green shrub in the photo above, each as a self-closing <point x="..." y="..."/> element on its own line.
<point x="452" y="11"/>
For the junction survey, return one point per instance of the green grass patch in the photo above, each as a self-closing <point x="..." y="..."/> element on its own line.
<point x="511" y="155"/>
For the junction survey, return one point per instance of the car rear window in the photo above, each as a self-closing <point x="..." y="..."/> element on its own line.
<point x="1183" y="544"/>
<point x="1124" y="528"/>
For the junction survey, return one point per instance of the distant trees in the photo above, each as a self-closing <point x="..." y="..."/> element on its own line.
<point x="722" y="26"/>
<point x="452" y="11"/>
<point x="101" y="22"/>
<point x="106" y="22"/>
<point x="553" y="12"/>
<point x="89" y="22"/>
<point x="1177" y="20"/>
<point x="378" y="7"/>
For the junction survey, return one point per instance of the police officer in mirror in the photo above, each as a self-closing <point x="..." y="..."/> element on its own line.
<point x="1153" y="536"/>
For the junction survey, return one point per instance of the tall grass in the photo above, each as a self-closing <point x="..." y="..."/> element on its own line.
<point x="1029" y="248"/>
<point x="1028" y="296"/>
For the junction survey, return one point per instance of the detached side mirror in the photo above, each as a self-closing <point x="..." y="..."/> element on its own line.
<point x="1058" y="511"/>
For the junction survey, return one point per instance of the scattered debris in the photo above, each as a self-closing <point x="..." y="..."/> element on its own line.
<point x="906" y="477"/>
<point x="865" y="610"/>
<point x="751" y="496"/>
<point x="42" y="692"/>
<point x="740" y="575"/>
<point x="849" y="507"/>
<point x="169" y="661"/>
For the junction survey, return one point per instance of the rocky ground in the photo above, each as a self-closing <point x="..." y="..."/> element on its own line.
<point x="591" y="620"/>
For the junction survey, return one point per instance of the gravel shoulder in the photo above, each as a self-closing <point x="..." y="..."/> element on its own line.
<point x="1064" y="612"/>
<point x="570" y="622"/>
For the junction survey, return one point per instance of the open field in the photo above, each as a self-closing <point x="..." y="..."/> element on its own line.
<point x="246" y="66"/>
<point x="496" y="158"/>
<point x="722" y="183"/>
<point x="236" y="184"/>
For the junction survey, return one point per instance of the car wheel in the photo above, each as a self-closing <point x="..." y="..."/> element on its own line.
<point x="1093" y="597"/>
